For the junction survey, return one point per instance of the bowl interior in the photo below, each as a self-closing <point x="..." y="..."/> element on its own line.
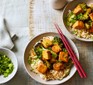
<point x="71" y="6"/>
<point x="13" y="58"/>
<point x="36" y="76"/>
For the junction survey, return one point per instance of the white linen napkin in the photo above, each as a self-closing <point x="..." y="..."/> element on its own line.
<point x="5" y="39"/>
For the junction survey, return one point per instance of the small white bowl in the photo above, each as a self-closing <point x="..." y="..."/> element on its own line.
<point x="13" y="58"/>
<point x="36" y="76"/>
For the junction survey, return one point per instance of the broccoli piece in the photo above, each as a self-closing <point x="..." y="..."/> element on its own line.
<point x="71" y="19"/>
<point x="86" y="12"/>
<point x="49" y="48"/>
<point x="48" y="64"/>
<point x="29" y="60"/>
<point x="58" y="41"/>
<point x="64" y="50"/>
<point x="83" y="6"/>
<point x="82" y="16"/>
<point x="85" y="15"/>
<point x="87" y="25"/>
<point x="69" y="24"/>
<point x="90" y="23"/>
<point x="54" y="55"/>
<point x="69" y="64"/>
<point x="38" y="50"/>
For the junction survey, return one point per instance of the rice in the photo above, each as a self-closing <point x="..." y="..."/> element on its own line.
<point x="81" y="33"/>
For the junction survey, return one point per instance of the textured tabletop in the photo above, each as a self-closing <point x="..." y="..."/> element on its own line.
<point x="41" y="18"/>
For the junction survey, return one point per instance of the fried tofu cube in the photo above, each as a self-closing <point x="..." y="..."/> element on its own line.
<point x="88" y="10"/>
<point x="57" y="66"/>
<point x="42" y="68"/>
<point x="78" y="10"/>
<point x="78" y="25"/>
<point x="46" y="42"/>
<point x="56" y="48"/>
<point x="91" y="16"/>
<point x="46" y="55"/>
<point x="63" y="56"/>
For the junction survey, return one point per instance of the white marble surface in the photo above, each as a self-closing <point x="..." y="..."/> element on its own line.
<point x="16" y="14"/>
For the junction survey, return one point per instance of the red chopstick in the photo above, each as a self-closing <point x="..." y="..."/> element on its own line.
<point x="73" y="60"/>
<point x="72" y="54"/>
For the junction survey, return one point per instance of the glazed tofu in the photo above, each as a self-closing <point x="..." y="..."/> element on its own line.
<point x="46" y="42"/>
<point x="63" y="56"/>
<point x="78" y="25"/>
<point x="56" y="48"/>
<point x="91" y="16"/>
<point x="78" y="10"/>
<point x="88" y="10"/>
<point x="46" y="55"/>
<point x="42" y="68"/>
<point x="57" y="66"/>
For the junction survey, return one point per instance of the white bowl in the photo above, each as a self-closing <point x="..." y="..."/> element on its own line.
<point x="71" y="6"/>
<point x="13" y="58"/>
<point x="36" y="76"/>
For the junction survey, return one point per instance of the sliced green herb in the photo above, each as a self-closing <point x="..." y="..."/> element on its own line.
<point x="6" y="65"/>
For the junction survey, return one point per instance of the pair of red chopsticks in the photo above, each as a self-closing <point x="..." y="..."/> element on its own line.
<point x="71" y="53"/>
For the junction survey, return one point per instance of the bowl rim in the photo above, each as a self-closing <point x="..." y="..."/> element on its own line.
<point x="14" y="70"/>
<point x="41" y="81"/>
<point x="81" y="39"/>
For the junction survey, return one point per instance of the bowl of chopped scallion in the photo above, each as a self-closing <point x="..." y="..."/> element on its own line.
<point x="8" y="65"/>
